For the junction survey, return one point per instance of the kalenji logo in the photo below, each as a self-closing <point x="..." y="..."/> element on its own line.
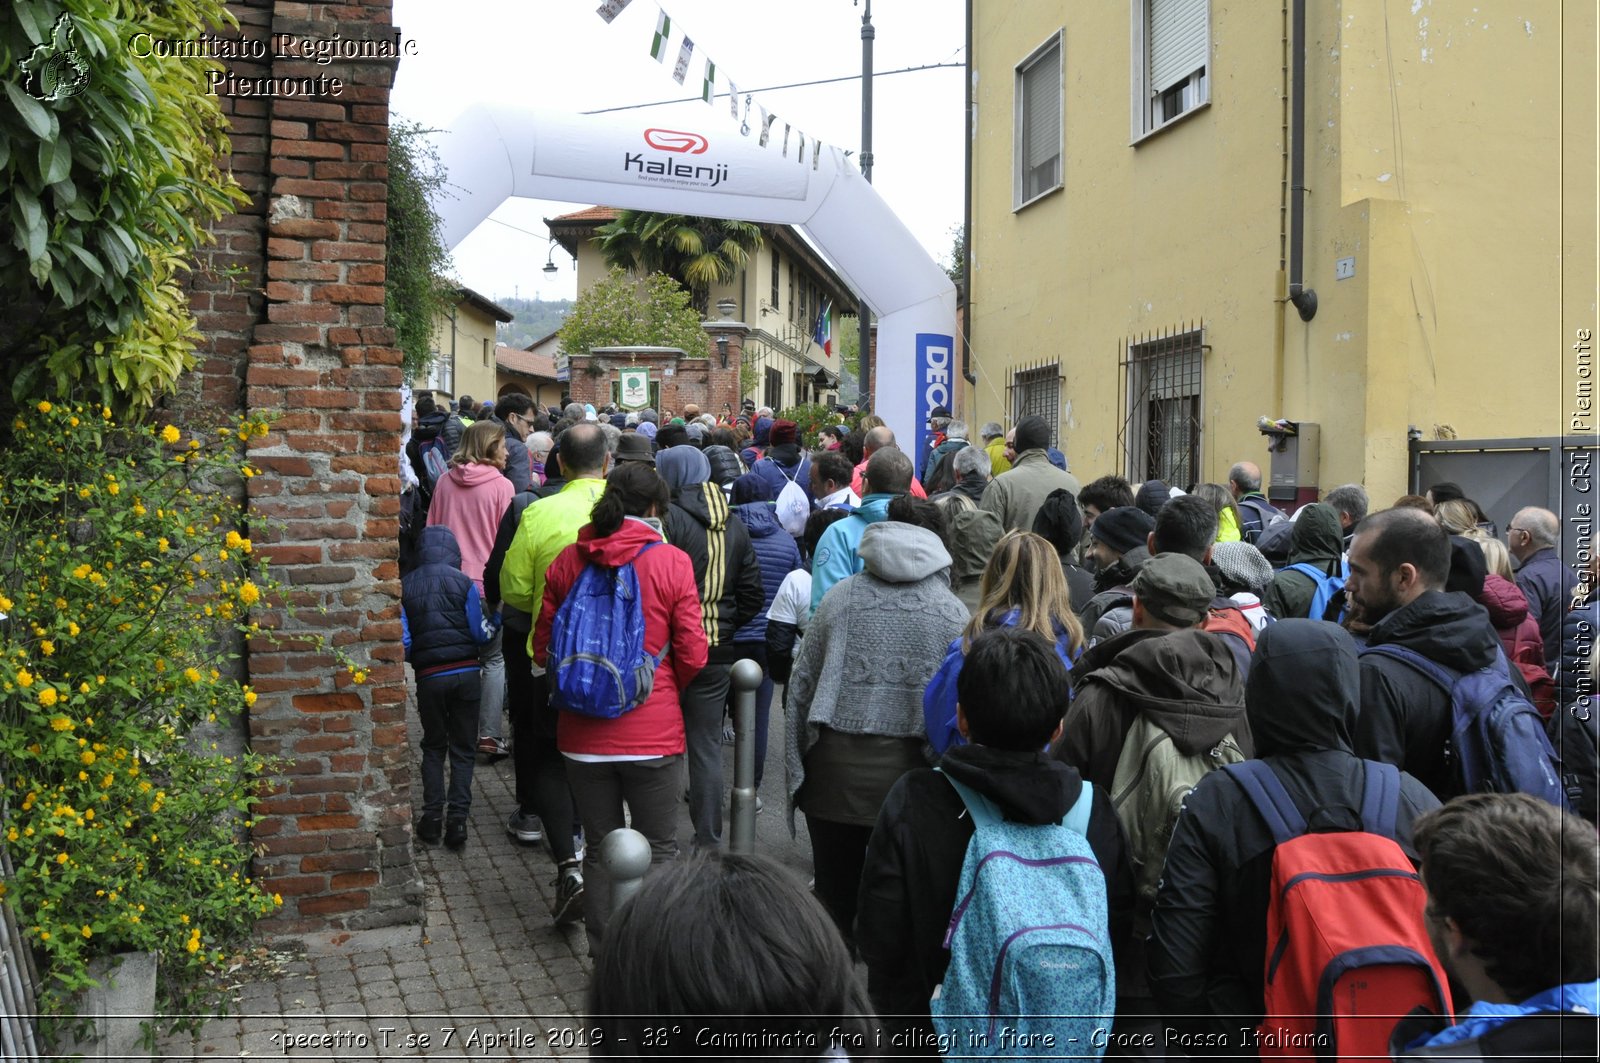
<point x="676" y="140"/>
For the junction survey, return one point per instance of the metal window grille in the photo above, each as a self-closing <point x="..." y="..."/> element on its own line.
<point x="1161" y="379"/>
<point x="1036" y="391"/>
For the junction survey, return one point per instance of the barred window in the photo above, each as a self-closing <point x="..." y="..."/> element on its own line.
<point x="1037" y="392"/>
<point x="1161" y="433"/>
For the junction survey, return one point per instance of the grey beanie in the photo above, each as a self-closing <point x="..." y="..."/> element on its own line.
<point x="1242" y="566"/>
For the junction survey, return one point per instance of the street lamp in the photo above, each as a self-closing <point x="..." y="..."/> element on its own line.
<point x="722" y="347"/>
<point x="868" y="34"/>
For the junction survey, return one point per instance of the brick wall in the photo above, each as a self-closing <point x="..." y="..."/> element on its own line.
<point x="701" y="381"/>
<point x="290" y="300"/>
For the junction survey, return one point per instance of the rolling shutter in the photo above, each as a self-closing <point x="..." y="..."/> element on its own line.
<point x="1177" y="39"/>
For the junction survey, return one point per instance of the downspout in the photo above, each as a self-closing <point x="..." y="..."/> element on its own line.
<point x="1303" y="298"/>
<point x="965" y="300"/>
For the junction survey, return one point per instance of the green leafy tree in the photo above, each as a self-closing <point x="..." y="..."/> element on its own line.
<point x="417" y="261"/>
<point x="696" y="252"/>
<point x="956" y="269"/>
<point x="623" y="311"/>
<point x="110" y="167"/>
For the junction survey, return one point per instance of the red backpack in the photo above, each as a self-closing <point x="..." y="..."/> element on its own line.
<point x="1348" y="955"/>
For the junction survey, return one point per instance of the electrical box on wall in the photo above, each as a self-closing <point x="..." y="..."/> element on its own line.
<point x="1296" y="456"/>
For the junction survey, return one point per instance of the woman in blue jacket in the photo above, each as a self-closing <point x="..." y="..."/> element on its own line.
<point x="1023" y="586"/>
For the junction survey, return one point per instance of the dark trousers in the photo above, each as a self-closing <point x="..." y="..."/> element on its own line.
<point x="650" y="788"/>
<point x="838" y="852"/>
<point x="704" y="701"/>
<point x="539" y="768"/>
<point x="448" y="706"/>
<point x="757" y="652"/>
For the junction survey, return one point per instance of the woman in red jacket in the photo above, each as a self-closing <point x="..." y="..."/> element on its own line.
<point x="636" y="757"/>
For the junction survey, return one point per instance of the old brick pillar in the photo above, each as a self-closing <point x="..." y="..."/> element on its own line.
<point x="335" y="830"/>
<point x="722" y="383"/>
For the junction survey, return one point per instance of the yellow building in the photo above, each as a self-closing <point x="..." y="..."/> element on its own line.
<point x="779" y="295"/>
<point x="463" y="361"/>
<point x="1133" y="199"/>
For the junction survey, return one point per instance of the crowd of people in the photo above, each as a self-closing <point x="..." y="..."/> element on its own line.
<point x="1231" y="735"/>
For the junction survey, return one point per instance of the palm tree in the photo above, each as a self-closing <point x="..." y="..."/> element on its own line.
<point x="696" y="252"/>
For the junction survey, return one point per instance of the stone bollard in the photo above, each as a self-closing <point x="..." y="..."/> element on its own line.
<point x="625" y="854"/>
<point x="746" y="677"/>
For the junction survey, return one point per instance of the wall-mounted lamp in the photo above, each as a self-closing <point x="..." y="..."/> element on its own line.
<point x="722" y="344"/>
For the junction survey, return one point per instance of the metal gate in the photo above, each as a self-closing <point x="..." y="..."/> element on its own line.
<point x="1557" y="473"/>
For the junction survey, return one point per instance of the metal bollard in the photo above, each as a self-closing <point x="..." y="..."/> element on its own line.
<point x="746" y="677"/>
<point x="625" y="854"/>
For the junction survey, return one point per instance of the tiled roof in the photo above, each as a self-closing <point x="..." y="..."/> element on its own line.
<point x="585" y="215"/>
<point x="515" y="360"/>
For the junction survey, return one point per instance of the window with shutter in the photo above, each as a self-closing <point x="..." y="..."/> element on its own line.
<point x="775" y="267"/>
<point x="1171" y="50"/>
<point x="1038" y="123"/>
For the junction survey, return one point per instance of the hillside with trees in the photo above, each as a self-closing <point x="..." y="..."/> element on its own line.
<point x="536" y="319"/>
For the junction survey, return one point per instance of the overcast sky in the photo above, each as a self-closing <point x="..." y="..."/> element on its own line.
<point x="560" y="54"/>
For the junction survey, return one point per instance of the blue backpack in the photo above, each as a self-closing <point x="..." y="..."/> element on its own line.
<point x="1327" y="587"/>
<point x="1030" y="951"/>
<point x="1497" y="737"/>
<point x="597" y="653"/>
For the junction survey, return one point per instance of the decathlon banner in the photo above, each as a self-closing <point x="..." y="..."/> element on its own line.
<point x="935" y="358"/>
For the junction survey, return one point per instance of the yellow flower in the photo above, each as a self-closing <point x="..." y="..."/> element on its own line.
<point x="170" y="434"/>
<point x="44" y="407"/>
<point x="11" y="835"/>
<point x="59" y="723"/>
<point x="48" y="697"/>
<point x="87" y="756"/>
<point x="5" y="604"/>
<point x="62" y="858"/>
<point x="105" y="412"/>
<point x="249" y="697"/>
<point x="24" y="679"/>
<point x="44" y="935"/>
<point x="87" y="932"/>
<point x="73" y="628"/>
<point x="83" y="688"/>
<point x="139" y="510"/>
<point x="47" y="648"/>
<point x="192" y="945"/>
<point x="232" y="540"/>
<point x="192" y="675"/>
<point x="277" y="898"/>
<point x="162" y="544"/>
<point x="249" y="593"/>
<point x="359" y="676"/>
<point x="81" y="572"/>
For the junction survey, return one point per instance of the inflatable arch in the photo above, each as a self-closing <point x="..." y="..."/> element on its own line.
<point x="494" y="153"/>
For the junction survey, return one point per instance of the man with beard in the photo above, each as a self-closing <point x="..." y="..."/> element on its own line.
<point x="1399" y="562"/>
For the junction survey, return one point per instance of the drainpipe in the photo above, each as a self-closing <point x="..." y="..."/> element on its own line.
<point x="1303" y="298"/>
<point x="965" y="301"/>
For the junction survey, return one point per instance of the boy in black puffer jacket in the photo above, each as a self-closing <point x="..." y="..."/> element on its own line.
<point x="443" y="625"/>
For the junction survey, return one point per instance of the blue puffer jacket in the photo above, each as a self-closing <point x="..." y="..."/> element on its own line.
<point x="1580" y="629"/>
<point x="441" y="613"/>
<point x="777" y="555"/>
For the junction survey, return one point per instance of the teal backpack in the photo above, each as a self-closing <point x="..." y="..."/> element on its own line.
<point x="1030" y="947"/>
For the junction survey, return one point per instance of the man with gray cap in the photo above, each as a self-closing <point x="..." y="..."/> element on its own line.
<point x="1154" y="709"/>
<point x="701" y="524"/>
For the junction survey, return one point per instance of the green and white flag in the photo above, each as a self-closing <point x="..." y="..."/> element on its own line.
<point x="680" y="70"/>
<point x="709" y="82"/>
<point x="610" y="9"/>
<point x="658" y="46"/>
<point x="633" y="387"/>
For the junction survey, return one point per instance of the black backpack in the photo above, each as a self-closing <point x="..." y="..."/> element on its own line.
<point x="1576" y="737"/>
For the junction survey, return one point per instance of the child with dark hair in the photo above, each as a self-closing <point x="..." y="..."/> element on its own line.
<point x="1010" y="696"/>
<point x="727" y="955"/>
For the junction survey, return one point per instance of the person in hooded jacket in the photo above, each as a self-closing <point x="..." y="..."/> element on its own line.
<point x="444" y="627"/>
<point x="784" y="461"/>
<point x="635" y="758"/>
<point x="470" y="500"/>
<point x="1399" y="562"/>
<point x="725" y="465"/>
<point x="973" y="535"/>
<point x="1208" y="943"/>
<point x="855" y="698"/>
<point x="777" y="556"/>
<point x="700" y="523"/>
<point x="1318" y="541"/>
<point x="1009" y="698"/>
<point x="1061" y="524"/>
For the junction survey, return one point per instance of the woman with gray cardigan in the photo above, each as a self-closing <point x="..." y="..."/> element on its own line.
<point x="855" y="697"/>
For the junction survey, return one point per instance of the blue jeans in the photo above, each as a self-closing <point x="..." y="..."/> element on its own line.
<point x="448" y="706"/>
<point x="492" y="706"/>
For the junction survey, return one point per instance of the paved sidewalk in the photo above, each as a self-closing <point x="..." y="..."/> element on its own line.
<point x="488" y="977"/>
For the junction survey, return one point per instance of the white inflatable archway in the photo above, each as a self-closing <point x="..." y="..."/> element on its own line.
<point x="494" y="153"/>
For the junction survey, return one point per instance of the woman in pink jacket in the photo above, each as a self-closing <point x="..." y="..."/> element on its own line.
<point x="636" y="757"/>
<point x="470" y="499"/>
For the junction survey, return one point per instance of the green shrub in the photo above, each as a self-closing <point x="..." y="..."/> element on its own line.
<point x="624" y="311"/>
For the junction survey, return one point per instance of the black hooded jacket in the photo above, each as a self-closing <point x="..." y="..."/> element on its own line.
<point x="1208" y="943"/>
<point x="913" y="865"/>
<point x="701" y="524"/>
<point x="1405" y="716"/>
